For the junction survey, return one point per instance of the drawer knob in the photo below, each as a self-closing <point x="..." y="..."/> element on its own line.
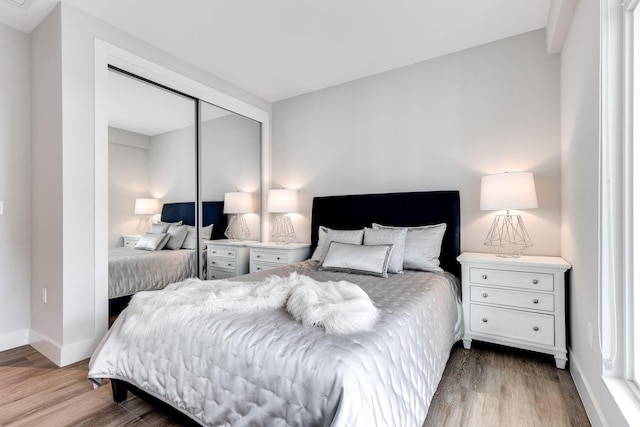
<point x="535" y="301"/>
<point x="485" y="320"/>
<point x="484" y="295"/>
<point x="484" y="277"/>
<point x="230" y="253"/>
<point x="278" y="258"/>
<point x="213" y="252"/>
<point x="535" y="281"/>
<point x="535" y="328"/>
<point x="257" y="256"/>
<point x="257" y="268"/>
<point x="229" y="264"/>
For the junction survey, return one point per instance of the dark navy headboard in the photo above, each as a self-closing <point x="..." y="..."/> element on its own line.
<point x="185" y="212"/>
<point x="400" y="209"/>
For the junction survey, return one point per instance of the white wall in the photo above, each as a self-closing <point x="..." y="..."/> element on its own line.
<point x="437" y="125"/>
<point x="69" y="323"/>
<point x="580" y="151"/>
<point x="172" y="166"/>
<point x="128" y="180"/>
<point x="15" y="188"/>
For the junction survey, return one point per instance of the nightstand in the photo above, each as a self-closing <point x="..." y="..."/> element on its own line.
<point x="227" y="258"/>
<point x="130" y="240"/>
<point x="517" y="302"/>
<point x="265" y="256"/>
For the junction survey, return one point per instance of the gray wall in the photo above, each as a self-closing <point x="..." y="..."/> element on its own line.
<point x="437" y="125"/>
<point x="15" y="187"/>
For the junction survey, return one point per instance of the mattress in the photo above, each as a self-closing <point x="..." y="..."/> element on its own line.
<point x="133" y="270"/>
<point x="264" y="368"/>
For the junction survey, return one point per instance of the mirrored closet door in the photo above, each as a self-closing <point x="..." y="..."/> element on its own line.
<point x="173" y="161"/>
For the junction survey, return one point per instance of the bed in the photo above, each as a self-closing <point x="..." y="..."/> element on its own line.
<point x="133" y="270"/>
<point x="265" y="368"/>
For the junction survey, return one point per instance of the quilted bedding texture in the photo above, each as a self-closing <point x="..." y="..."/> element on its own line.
<point x="264" y="368"/>
<point x="133" y="270"/>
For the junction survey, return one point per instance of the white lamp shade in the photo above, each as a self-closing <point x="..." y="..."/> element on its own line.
<point x="283" y="201"/>
<point x="508" y="190"/>
<point x="238" y="203"/>
<point x="147" y="206"/>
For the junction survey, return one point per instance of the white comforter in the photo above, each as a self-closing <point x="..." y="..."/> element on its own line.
<point x="265" y="368"/>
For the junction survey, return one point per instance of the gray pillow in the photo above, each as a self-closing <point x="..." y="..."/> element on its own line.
<point x="152" y="241"/>
<point x="177" y="234"/>
<point x="190" y="240"/>
<point x="359" y="259"/>
<point x="327" y="235"/>
<point x="422" y="247"/>
<point x="389" y="236"/>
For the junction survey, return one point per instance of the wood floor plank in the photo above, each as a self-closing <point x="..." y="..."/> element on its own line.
<point x="485" y="386"/>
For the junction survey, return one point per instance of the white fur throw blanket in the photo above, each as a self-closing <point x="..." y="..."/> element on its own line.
<point x="338" y="307"/>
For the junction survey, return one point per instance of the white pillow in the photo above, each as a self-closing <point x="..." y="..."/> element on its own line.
<point x="327" y="235"/>
<point x="190" y="239"/>
<point x="152" y="241"/>
<point x="359" y="259"/>
<point x="389" y="236"/>
<point x="422" y="247"/>
<point x="177" y="234"/>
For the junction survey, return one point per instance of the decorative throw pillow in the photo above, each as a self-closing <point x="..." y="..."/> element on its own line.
<point x="177" y="234"/>
<point x="422" y="247"/>
<point x="152" y="241"/>
<point x="327" y="235"/>
<point x="190" y="240"/>
<point x="359" y="259"/>
<point x="389" y="236"/>
<point x="162" y="227"/>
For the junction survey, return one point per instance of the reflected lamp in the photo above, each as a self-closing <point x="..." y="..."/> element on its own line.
<point x="508" y="236"/>
<point x="283" y="202"/>
<point x="146" y="208"/>
<point x="237" y="204"/>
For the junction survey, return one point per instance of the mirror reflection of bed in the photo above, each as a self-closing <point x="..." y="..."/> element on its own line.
<point x="153" y="156"/>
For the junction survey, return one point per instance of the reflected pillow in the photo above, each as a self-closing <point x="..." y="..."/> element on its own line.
<point x="358" y="259"/>
<point x="389" y="236"/>
<point x="177" y="235"/>
<point x="162" y="227"/>
<point x="327" y="235"/>
<point x="190" y="240"/>
<point x="422" y="246"/>
<point x="152" y="241"/>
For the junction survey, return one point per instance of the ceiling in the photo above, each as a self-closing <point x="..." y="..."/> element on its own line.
<point x="278" y="49"/>
<point x="146" y="109"/>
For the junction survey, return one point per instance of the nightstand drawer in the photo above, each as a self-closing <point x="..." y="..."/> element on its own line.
<point x="275" y="257"/>
<point x="257" y="268"/>
<point x="221" y="263"/>
<point x="520" y="325"/>
<point x="535" y="301"/>
<point x="214" y="274"/>
<point x="514" y="279"/>
<point x="222" y="252"/>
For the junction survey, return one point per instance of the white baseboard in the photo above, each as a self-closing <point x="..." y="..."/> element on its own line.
<point x="594" y="412"/>
<point x="14" y="339"/>
<point x="59" y="354"/>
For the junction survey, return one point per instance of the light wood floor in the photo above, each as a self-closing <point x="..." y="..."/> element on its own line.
<point x="486" y="386"/>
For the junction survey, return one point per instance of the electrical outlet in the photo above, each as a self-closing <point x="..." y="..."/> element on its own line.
<point x="590" y="334"/>
<point x="44" y="295"/>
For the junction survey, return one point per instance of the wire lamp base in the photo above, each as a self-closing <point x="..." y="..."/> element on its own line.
<point x="237" y="228"/>
<point x="508" y="236"/>
<point x="282" y="231"/>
